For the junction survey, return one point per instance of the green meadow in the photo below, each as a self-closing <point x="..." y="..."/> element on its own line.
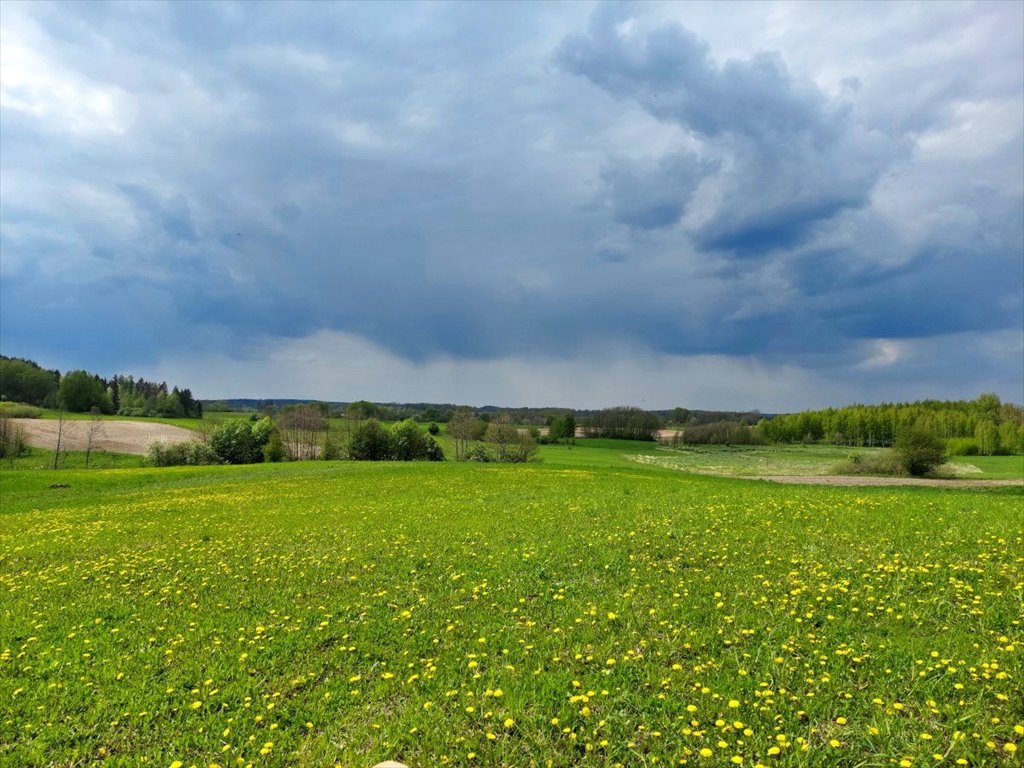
<point x="587" y="610"/>
<point x="807" y="460"/>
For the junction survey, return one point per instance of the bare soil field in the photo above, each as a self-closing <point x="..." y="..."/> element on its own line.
<point x="111" y="436"/>
<point x="870" y="480"/>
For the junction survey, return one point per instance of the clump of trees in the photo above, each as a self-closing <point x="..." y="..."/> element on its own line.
<point x="138" y="397"/>
<point x="623" y="423"/>
<point x="718" y="433"/>
<point x="242" y="441"/>
<point x="304" y="430"/>
<point x="562" y="428"/>
<point x="25" y="381"/>
<point x="915" y="452"/>
<point x="405" y="441"/>
<point x="464" y="428"/>
<point x="81" y="391"/>
<point x="503" y="442"/>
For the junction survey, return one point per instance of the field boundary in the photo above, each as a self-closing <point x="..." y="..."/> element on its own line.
<point x="872" y="480"/>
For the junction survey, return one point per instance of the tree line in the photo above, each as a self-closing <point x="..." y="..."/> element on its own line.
<point x="304" y="432"/>
<point x="25" y="381"/>
<point x="985" y="425"/>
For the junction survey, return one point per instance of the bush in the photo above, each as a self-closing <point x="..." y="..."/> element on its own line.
<point x="918" y="450"/>
<point x="479" y="453"/>
<point x="962" y="446"/>
<point x="12" y="440"/>
<point x="886" y="463"/>
<point x="433" y="429"/>
<point x="189" y="453"/>
<point x="236" y="442"/>
<point x="408" y="443"/>
<point x="261" y="428"/>
<point x="332" y="449"/>
<point x="19" y="411"/>
<point x="434" y="451"/>
<point x="274" y="451"/>
<point x="370" y="442"/>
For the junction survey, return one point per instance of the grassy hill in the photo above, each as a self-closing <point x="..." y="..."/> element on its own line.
<point x="583" y="611"/>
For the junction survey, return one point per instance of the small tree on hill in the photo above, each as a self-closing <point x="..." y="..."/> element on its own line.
<point x="918" y="450"/>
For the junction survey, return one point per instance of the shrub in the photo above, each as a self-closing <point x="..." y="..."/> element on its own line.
<point x="274" y="451"/>
<point x="479" y="453"/>
<point x="370" y="442"/>
<point x="189" y="453"/>
<point x="962" y="446"/>
<point x="12" y="440"/>
<point x="434" y="451"/>
<point x="408" y="443"/>
<point x="433" y="429"/>
<point x="332" y="449"/>
<point x="261" y="429"/>
<point x="885" y="463"/>
<point x="19" y="411"/>
<point x="235" y="442"/>
<point x="918" y="450"/>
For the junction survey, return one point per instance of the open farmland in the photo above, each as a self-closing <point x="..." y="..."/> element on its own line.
<point x="455" y="614"/>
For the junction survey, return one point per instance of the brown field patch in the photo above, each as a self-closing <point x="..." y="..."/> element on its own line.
<point x="112" y="436"/>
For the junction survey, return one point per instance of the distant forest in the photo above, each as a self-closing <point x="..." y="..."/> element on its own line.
<point x="25" y="381"/>
<point x="986" y="425"/>
<point x="442" y="412"/>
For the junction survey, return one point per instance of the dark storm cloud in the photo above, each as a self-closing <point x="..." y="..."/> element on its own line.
<point x="653" y="195"/>
<point x="794" y="157"/>
<point x="488" y="181"/>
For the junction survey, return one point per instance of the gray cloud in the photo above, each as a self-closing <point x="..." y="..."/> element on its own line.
<point x="791" y="157"/>
<point x="505" y="182"/>
<point x="653" y="194"/>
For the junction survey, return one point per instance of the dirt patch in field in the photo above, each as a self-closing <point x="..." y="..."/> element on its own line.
<point x="111" y="436"/>
<point x="867" y="480"/>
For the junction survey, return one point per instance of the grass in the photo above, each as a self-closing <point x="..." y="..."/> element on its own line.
<point x="42" y="458"/>
<point x="988" y="467"/>
<point x="586" y="611"/>
<point x="19" y="410"/>
<point x="807" y="460"/>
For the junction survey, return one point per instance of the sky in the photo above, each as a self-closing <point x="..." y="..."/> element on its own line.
<point x="767" y="205"/>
